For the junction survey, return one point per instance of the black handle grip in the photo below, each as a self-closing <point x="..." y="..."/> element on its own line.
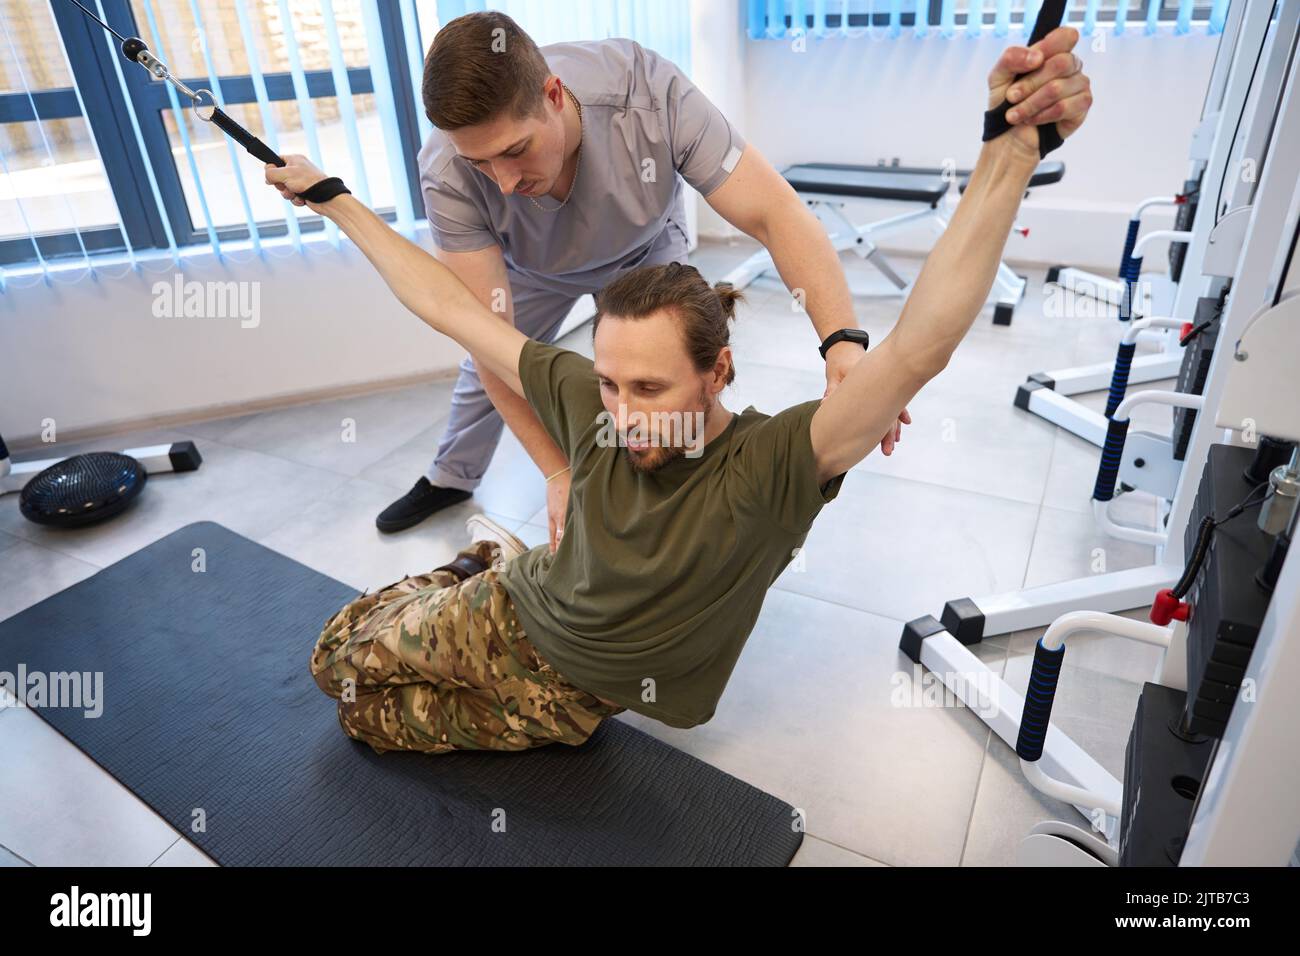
<point x="1050" y="15"/>
<point x="245" y="139"/>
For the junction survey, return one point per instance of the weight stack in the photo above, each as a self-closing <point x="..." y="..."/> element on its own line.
<point x="1197" y="355"/>
<point x="1183" y="221"/>
<point x="1163" y="771"/>
<point x="1227" y="604"/>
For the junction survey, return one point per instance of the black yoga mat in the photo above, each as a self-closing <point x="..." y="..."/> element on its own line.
<point x="208" y="705"/>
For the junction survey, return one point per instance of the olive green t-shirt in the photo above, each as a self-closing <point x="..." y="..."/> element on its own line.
<point x="660" y="576"/>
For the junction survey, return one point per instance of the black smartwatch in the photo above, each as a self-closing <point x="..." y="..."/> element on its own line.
<point x="844" y="335"/>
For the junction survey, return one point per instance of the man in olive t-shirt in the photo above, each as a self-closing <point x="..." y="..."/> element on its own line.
<point x="661" y="576"/>
<point x="649" y="599"/>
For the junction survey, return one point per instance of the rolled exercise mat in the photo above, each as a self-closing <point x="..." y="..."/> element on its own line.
<point x="208" y="704"/>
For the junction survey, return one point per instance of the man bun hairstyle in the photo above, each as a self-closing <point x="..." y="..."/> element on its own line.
<point x="703" y="311"/>
<point x="480" y="66"/>
<point x="728" y="296"/>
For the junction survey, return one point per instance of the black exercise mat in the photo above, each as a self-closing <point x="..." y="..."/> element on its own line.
<point x="208" y="704"/>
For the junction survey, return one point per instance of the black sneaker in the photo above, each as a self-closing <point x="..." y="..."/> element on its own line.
<point x="422" y="500"/>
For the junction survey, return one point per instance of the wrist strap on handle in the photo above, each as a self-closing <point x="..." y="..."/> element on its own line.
<point x="325" y="190"/>
<point x="995" y="120"/>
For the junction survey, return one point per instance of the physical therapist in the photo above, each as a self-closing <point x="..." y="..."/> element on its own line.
<point x="552" y="171"/>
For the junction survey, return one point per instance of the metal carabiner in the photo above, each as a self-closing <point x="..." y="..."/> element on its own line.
<point x="133" y="48"/>
<point x="197" y="106"/>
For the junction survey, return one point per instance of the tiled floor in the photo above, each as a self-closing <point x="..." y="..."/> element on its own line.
<point x="979" y="497"/>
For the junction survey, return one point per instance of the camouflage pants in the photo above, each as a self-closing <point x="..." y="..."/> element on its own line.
<point x="434" y="664"/>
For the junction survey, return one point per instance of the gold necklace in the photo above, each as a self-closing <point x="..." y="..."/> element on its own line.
<point x="577" y="164"/>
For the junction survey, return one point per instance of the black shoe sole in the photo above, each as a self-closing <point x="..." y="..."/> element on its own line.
<point x="401" y="524"/>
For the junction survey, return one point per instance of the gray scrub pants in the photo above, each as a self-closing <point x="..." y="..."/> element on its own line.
<point x="474" y="427"/>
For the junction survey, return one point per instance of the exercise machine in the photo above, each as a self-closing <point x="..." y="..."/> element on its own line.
<point x="1211" y="768"/>
<point x="1152" y="462"/>
<point x="941" y="645"/>
<point x="1209" y="642"/>
<point x="1164" y="310"/>
<point x="1159" y="288"/>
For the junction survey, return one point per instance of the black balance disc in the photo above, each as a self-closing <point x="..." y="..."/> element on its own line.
<point x="83" y="489"/>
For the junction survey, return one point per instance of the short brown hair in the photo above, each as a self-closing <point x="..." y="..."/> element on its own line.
<point x="479" y="66"/>
<point x="703" y="311"/>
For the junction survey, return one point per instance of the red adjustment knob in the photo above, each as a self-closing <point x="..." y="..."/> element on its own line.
<point x="1180" y="199"/>
<point x="1168" y="608"/>
<point x="1185" y="331"/>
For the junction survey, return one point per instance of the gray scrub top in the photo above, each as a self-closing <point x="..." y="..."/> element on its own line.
<point x="643" y="122"/>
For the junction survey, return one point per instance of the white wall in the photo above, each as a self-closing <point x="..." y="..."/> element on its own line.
<point x="921" y="99"/>
<point x="93" y="356"/>
<point x="718" y="68"/>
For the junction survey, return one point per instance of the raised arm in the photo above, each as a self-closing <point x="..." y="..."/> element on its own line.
<point x="420" y="282"/>
<point x="959" y="271"/>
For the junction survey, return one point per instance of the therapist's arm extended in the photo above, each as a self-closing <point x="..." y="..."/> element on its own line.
<point x="420" y="282"/>
<point x="758" y="201"/>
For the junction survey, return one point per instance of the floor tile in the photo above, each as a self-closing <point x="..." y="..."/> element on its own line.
<point x="904" y="548"/>
<point x="825" y="712"/>
<point x="817" y="852"/>
<point x="61" y="809"/>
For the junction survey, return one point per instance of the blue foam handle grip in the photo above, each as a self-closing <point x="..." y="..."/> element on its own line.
<point x="1130" y="240"/>
<point x="1131" y="275"/>
<point x="1119" y="377"/>
<point x="1039" y="697"/>
<point x="1111" y="453"/>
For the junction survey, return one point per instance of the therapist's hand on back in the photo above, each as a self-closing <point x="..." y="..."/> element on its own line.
<point x="557" y="503"/>
<point x="840" y="359"/>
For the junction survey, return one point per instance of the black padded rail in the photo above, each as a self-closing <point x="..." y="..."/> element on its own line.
<point x="901" y="183"/>
<point x="208" y="704"/>
<point x="923" y="184"/>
